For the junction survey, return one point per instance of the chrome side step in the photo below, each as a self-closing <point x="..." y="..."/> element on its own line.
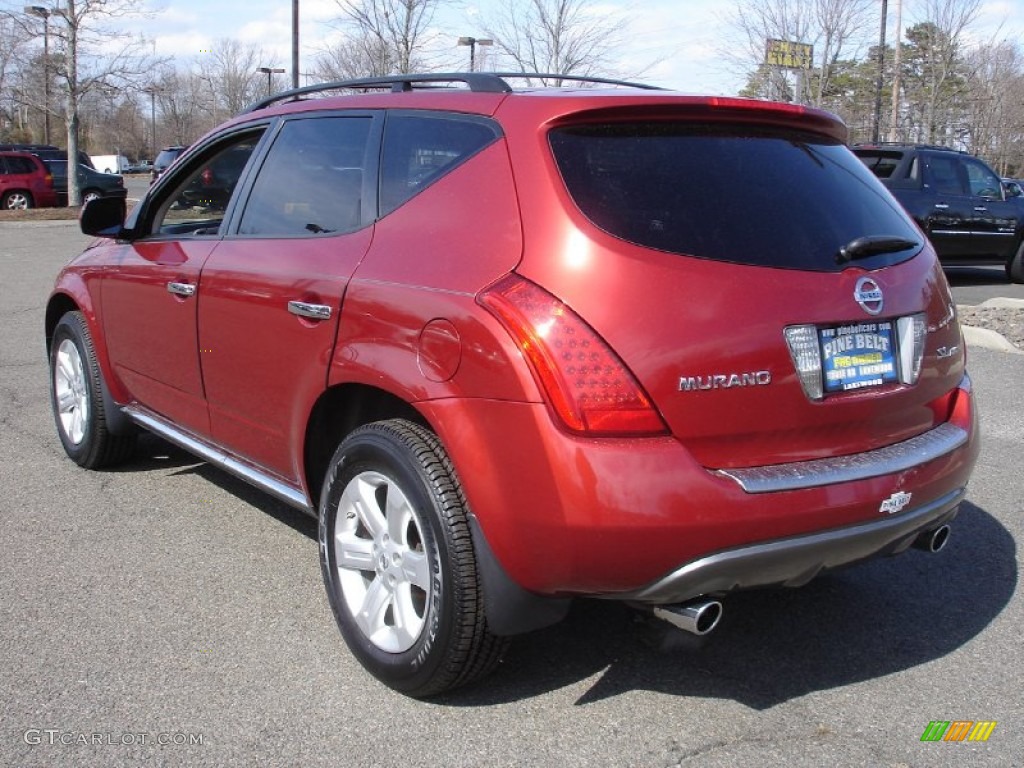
<point x="218" y="457"/>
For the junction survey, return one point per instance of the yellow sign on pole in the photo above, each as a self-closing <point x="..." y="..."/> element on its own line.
<point x="789" y="54"/>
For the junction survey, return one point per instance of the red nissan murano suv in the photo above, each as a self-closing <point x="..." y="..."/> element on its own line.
<point x="515" y="346"/>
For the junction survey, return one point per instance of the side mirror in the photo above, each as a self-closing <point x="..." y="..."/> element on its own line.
<point x="104" y="216"/>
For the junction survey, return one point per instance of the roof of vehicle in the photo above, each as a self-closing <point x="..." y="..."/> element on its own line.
<point x="484" y="92"/>
<point x="19" y="153"/>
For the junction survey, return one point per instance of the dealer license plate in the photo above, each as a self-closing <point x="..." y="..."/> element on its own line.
<point x="858" y="355"/>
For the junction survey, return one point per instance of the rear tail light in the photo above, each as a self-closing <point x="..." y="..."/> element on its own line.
<point x="586" y="385"/>
<point x="806" y="354"/>
<point x="912" y="331"/>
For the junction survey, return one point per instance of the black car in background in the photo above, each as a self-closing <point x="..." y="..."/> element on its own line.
<point x="961" y="204"/>
<point x="92" y="183"/>
<point x="167" y="156"/>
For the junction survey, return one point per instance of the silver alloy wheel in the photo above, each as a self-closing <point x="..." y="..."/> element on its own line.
<point x="17" y="201"/>
<point x="72" y="390"/>
<point x="88" y="196"/>
<point x="383" y="570"/>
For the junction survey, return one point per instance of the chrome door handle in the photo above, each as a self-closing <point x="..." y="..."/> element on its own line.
<point x="943" y="206"/>
<point x="181" y="289"/>
<point x="312" y="311"/>
<point x="980" y="208"/>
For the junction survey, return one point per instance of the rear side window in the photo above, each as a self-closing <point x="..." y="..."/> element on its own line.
<point x="420" y="149"/>
<point x="312" y="180"/>
<point x="944" y="175"/>
<point x="739" y="194"/>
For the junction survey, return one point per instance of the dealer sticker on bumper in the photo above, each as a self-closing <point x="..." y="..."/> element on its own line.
<point x="857" y="355"/>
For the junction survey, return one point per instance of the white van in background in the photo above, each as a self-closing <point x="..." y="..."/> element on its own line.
<point x="110" y="163"/>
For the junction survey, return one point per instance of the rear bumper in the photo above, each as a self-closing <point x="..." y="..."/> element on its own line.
<point x="640" y="519"/>
<point x="794" y="561"/>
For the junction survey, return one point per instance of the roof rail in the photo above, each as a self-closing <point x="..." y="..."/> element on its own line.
<point x="478" y="82"/>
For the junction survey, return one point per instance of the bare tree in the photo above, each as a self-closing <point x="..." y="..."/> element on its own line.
<point x="561" y="37"/>
<point x="12" y="41"/>
<point x="836" y="29"/>
<point x="995" y="105"/>
<point x="354" y="56"/>
<point x="187" y="108"/>
<point x="387" y="35"/>
<point x="232" y="81"/>
<point x="80" y="30"/>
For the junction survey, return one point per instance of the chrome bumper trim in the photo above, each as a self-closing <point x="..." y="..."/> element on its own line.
<point x="900" y="457"/>
<point x="218" y="457"/>
<point x="794" y="561"/>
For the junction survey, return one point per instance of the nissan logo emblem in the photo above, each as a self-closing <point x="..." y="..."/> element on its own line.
<point x="869" y="295"/>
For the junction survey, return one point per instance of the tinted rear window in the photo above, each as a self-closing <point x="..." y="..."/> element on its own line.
<point x="881" y="163"/>
<point x="731" y="193"/>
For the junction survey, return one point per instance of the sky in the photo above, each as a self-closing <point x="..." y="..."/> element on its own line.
<point x="679" y="44"/>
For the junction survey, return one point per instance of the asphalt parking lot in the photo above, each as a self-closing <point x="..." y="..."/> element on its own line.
<point x="167" y="614"/>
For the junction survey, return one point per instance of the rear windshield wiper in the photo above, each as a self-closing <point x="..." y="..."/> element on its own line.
<point x="872" y="245"/>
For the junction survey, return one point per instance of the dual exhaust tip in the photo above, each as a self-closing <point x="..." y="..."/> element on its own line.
<point x="699" y="617"/>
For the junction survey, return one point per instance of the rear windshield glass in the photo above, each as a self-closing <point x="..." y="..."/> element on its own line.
<point x="882" y="164"/>
<point x="731" y="193"/>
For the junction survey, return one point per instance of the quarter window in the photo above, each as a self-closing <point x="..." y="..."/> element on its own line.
<point x="418" y="150"/>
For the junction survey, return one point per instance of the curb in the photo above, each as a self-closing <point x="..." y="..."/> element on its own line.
<point x="1002" y="302"/>
<point x="988" y="339"/>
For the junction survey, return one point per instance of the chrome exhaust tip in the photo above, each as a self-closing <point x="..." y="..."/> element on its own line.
<point x="698" y="617"/>
<point x="933" y="540"/>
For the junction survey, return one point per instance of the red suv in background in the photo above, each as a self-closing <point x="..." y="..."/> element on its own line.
<point x="518" y="346"/>
<point x="25" y="182"/>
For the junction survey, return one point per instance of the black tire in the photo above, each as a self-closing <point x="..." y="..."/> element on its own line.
<point x="1015" y="266"/>
<point x="427" y="631"/>
<point x="76" y="397"/>
<point x="17" y="200"/>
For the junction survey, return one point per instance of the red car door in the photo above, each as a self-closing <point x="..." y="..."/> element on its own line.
<point x="149" y="321"/>
<point x="151" y="297"/>
<point x="272" y="292"/>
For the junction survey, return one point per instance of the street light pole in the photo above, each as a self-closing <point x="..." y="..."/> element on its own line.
<point x="473" y="42"/>
<point x="270" y="72"/>
<point x="881" y="72"/>
<point x="44" y="14"/>
<point x="894" y="118"/>
<point x="152" y="91"/>
<point x="295" y="43"/>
